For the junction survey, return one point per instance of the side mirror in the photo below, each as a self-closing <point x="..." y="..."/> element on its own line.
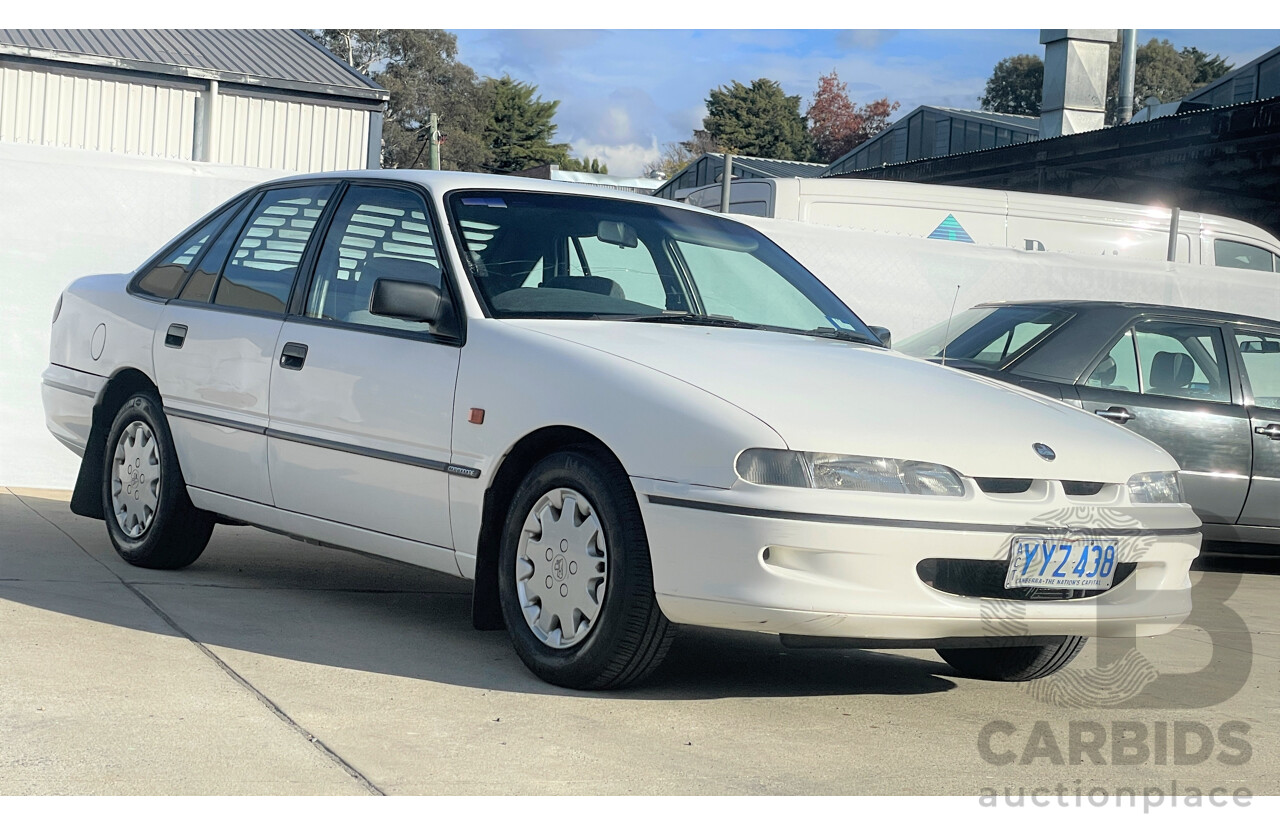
<point x="885" y="336"/>
<point x="406" y="300"/>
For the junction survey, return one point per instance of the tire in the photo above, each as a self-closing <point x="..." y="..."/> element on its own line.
<point x="150" y="519"/>
<point x="1014" y="664"/>
<point x="580" y="608"/>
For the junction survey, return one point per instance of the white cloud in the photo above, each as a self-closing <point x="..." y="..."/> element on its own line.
<point x="627" y="159"/>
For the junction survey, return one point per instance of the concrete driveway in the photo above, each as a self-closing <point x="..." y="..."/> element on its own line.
<point x="274" y="667"/>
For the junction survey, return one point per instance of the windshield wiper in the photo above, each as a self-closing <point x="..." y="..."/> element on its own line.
<point x="693" y="319"/>
<point x="844" y="335"/>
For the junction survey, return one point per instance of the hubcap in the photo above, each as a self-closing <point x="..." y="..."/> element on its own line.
<point x="135" y="482"/>
<point x="560" y="568"/>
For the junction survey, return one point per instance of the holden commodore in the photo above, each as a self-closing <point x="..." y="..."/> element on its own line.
<point x="615" y="414"/>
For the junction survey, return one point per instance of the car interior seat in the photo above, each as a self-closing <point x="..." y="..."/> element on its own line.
<point x="1171" y="373"/>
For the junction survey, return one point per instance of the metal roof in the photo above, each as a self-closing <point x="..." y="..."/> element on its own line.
<point x="1230" y="77"/>
<point x="1030" y="122"/>
<point x="285" y="59"/>
<point x="774" y="168"/>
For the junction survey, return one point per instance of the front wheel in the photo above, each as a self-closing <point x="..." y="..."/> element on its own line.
<point x="150" y="519"/>
<point x="1014" y="664"/>
<point x="574" y="576"/>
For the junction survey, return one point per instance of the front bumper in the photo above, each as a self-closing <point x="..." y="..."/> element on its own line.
<point x="832" y="573"/>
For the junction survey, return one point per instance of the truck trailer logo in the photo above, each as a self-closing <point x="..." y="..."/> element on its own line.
<point x="950" y="230"/>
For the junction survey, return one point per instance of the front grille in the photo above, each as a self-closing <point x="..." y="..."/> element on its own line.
<point x="1082" y="488"/>
<point x="985" y="580"/>
<point x="1004" y="485"/>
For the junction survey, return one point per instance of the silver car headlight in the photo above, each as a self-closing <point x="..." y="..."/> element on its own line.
<point x="1156" y="488"/>
<point x="830" y="471"/>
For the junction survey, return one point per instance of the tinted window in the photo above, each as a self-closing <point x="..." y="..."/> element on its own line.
<point x="199" y="286"/>
<point x="260" y="270"/>
<point x="1261" y="356"/>
<point x="376" y="233"/>
<point x="1242" y="256"/>
<point x="1182" y="361"/>
<point x="163" y="279"/>
<point x="1118" y="370"/>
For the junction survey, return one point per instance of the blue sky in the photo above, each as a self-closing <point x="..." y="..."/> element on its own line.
<point x="624" y="93"/>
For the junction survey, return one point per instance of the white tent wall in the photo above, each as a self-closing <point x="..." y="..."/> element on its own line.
<point x="66" y="213"/>
<point x="908" y="284"/>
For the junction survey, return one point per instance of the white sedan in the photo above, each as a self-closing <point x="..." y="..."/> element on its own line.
<point x="616" y="414"/>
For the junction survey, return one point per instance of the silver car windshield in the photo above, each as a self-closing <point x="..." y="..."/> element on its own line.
<point x="544" y="255"/>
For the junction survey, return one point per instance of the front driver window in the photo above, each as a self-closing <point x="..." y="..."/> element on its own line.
<point x="377" y="232"/>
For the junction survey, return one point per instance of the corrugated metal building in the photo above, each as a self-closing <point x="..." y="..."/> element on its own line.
<point x="708" y="168"/>
<point x="934" y="131"/>
<point x="272" y="99"/>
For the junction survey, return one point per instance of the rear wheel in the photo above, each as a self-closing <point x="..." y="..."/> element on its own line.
<point x="150" y="519"/>
<point x="574" y="576"/>
<point x="1014" y="664"/>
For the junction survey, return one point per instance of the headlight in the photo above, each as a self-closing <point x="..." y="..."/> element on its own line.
<point x="829" y="471"/>
<point x="1156" y="488"/>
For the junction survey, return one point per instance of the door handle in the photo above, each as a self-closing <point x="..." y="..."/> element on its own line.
<point x="1117" y="414"/>
<point x="176" y="336"/>
<point x="293" y="356"/>
<point x="1271" y="431"/>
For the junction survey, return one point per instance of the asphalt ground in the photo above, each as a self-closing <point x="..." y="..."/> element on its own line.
<point x="275" y="667"/>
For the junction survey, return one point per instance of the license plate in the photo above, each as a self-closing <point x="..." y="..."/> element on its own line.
<point x="1062" y="563"/>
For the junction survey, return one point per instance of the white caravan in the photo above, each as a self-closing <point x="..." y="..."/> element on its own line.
<point x="988" y="217"/>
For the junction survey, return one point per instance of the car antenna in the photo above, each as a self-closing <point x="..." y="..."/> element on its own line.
<point x="946" y="336"/>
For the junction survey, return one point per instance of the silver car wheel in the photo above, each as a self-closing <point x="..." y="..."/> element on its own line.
<point x="560" y="568"/>
<point x="135" y="480"/>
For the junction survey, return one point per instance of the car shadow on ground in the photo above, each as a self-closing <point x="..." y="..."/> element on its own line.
<point x="1230" y="557"/>
<point x="257" y="593"/>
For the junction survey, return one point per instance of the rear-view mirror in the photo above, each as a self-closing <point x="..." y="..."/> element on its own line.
<point x="617" y="233"/>
<point x="1255" y="347"/>
<point x="406" y="300"/>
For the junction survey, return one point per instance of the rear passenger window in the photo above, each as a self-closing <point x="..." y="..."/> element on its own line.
<point x="377" y="232"/>
<point x="163" y="280"/>
<point x="260" y="269"/>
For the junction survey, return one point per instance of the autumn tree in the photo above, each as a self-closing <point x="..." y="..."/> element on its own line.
<point x="759" y="120"/>
<point x="837" y="124"/>
<point x="1015" y="86"/>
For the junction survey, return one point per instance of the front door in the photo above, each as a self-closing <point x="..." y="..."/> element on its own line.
<point x="1170" y="382"/>
<point x="362" y="404"/>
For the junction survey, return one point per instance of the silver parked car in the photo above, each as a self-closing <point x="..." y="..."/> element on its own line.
<point x="1204" y="385"/>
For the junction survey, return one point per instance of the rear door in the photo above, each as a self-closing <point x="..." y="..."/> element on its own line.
<point x="1260" y="356"/>
<point x="214" y="347"/>
<point x="1171" y="381"/>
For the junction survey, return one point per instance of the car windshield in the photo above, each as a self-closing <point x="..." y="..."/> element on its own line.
<point x="991" y="336"/>
<point x="544" y="255"/>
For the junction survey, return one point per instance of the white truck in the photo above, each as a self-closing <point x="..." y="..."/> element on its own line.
<point x="988" y="217"/>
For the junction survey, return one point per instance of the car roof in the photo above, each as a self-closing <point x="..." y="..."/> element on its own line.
<point x="1083" y="306"/>
<point x="440" y="182"/>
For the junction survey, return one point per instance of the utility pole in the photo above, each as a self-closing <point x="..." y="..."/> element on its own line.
<point x="1128" y="65"/>
<point x="725" y="180"/>
<point x="435" y="141"/>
